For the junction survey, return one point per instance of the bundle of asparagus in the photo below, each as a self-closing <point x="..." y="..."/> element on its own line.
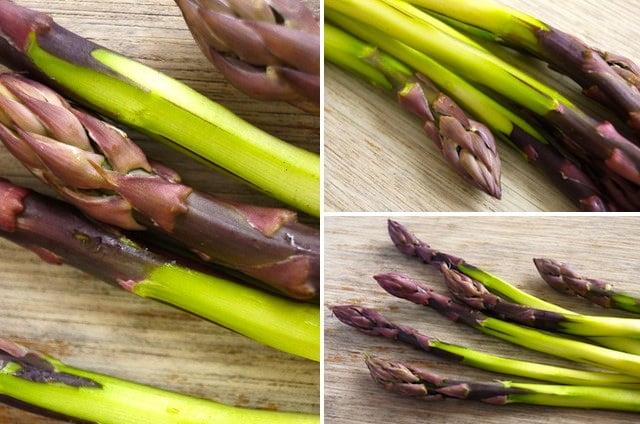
<point x="588" y="157"/>
<point x="603" y="347"/>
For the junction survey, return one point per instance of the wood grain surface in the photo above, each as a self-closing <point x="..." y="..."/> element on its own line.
<point x="377" y="157"/>
<point x="356" y="248"/>
<point x="89" y="324"/>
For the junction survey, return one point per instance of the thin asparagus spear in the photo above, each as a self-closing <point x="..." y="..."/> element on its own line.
<point x="598" y="73"/>
<point x="564" y="279"/>
<point x="143" y="98"/>
<point x="574" y="350"/>
<point x="474" y="294"/>
<point x="373" y="323"/>
<point x="45" y="385"/>
<point x="599" y="143"/>
<point x="410" y="245"/>
<point x="269" y="49"/>
<point x="423" y="384"/>
<point x="60" y="234"/>
<point x="569" y="178"/>
<point x="100" y="170"/>
<point x="467" y="145"/>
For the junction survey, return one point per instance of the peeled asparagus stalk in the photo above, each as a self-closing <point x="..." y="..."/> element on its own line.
<point x="96" y="167"/>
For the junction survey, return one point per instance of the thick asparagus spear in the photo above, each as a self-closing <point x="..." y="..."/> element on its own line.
<point x="569" y="178"/>
<point x="373" y="323"/>
<point x="574" y="350"/>
<point x="474" y="294"/>
<point x="269" y="49"/>
<point x="598" y="73"/>
<point x="45" y="385"/>
<point x="467" y="145"/>
<point x="598" y="143"/>
<point x="60" y="234"/>
<point x="100" y="170"/>
<point x="423" y="384"/>
<point x="158" y="105"/>
<point x="564" y="279"/>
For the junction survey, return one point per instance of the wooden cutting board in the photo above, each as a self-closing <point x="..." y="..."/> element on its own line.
<point x="88" y="324"/>
<point x="377" y="158"/>
<point x="357" y="248"/>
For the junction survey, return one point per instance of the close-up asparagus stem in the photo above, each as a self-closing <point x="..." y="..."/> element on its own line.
<point x="158" y="105"/>
<point x="569" y="178"/>
<point x="587" y="66"/>
<point x="423" y="384"/>
<point x="466" y="144"/>
<point x="564" y="279"/>
<point x="43" y="384"/>
<point x="60" y="234"/>
<point x="403" y="287"/>
<point x="373" y="323"/>
<point x="100" y="170"/>
<point x="270" y="50"/>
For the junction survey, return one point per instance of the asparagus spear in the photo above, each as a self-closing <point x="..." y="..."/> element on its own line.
<point x="423" y="384"/>
<point x="60" y="234"/>
<point x="574" y="350"/>
<point x="569" y="178"/>
<point x="474" y="294"/>
<point x="158" y="105"/>
<point x="269" y="49"/>
<point x="564" y="279"/>
<point x="373" y="323"/>
<point x="599" y="143"/>
<point x="467" y="145"/>
<point x="45" y="385"/>
<point x="100" y="170"/>
<point x="598" y="73"/>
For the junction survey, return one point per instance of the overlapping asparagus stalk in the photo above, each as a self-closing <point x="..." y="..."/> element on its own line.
<point x="156" y="104"/>
<point x="474" y="294"/>
<point x="269" y="49"/>
<point x="100" y="170"/>
<point x="568" y="177"/>
<point x="373" y="323"/>
<point x="45" y="385"/>
<point x="564" y="279"/>
<point x="603" y="76"/>
<point x="403" y="287"/>
<point x="423" y="384"/>
<point x="60" y="234"/>
<point x="467" y="145"/>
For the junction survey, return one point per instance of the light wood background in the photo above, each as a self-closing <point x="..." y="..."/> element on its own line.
<point x="89" y="324"/>
<point x="377" y="157"/>
<point x="358" y="248"/>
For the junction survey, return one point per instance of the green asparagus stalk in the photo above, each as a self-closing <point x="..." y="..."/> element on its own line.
<point x="423" y="384"/>
<point x="467" y="145"/>
<point x="410" y="245"/>
<point x="474" y="294"/>
<point x="158" y="105"/>
<point x="567" y="176"/>
<point x="101" y="171"/>
<point x="269" y="49"/>
<point x="563" y="347"/>
<point x="45" y="385"/>
<point x="597" y="143"/>
<point x="564" y="279"/>
<point x="373" y="323"/>
<point x="598" y="73"/>
<point x="60" y="234"/>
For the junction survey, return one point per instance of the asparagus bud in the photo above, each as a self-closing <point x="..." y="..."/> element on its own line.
<point x="269" y="49"/>
<point x="96" y="167"/>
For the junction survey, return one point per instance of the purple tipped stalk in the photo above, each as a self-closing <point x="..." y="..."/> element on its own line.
<point x="97" y="168"/>
<point x="269" y="49"/>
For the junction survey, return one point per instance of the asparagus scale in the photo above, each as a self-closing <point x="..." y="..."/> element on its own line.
<point x="61" y="234"/>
